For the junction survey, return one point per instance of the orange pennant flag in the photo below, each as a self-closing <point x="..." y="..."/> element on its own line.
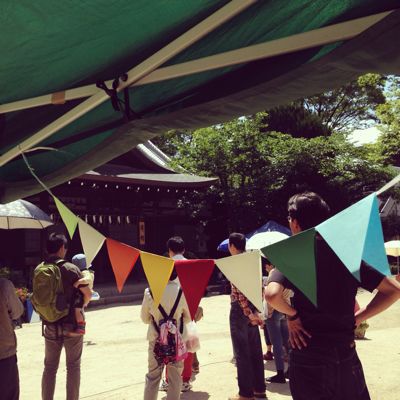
<point x="194" y="276"/>
<point x="123" y="259"/>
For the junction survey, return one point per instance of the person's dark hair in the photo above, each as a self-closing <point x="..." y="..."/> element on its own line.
<point x="55" y="241"/>
<point x="238" y="240"/>
<point x="308" y="208"/>
<point x="176" y="244"/>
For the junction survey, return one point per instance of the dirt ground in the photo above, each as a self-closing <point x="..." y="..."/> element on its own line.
<point x="114" y="358"/>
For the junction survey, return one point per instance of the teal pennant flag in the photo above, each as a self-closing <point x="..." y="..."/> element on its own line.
<point x="374" y="252"/>
<point x="355" y="234"/>
<point x="295" y="258"/>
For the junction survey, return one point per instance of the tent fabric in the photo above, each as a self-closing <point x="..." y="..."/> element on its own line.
<point x="49" y="47"/>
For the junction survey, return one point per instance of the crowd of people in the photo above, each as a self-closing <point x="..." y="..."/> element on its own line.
<point x="317" y="341"/>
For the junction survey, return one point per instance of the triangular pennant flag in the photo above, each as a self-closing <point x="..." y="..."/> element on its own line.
<point x="91" y="239"/>
<point x="194" y="276"/>
<point x="158" y="270"/>
<point x="374" y="252"/>
<point x="244" y="271"/>
<point x="346" y="232"/>
<point x="123" y="259"/>
<point x="69" y="218"/>
<point x="295" y="258"/>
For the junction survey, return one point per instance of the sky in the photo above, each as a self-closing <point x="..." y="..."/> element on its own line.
<point x="364" y="136"/>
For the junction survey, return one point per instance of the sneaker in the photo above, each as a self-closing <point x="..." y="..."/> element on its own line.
<point x="268" y="356"/>
<point x="186" y="386"/>
<point x="239" y="397"/>
<point x="278" y="378"/>
<point x="163" y="386"/>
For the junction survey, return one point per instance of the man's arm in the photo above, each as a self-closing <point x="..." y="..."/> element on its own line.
<point x="14" y="305"/>
<point x="388" y="293"/>
<point x="253" y="317"/>
<point x="274" y="296"/>
<point x="297" y="333"/>
<point x="145" y="310"/>
<point x="87" y="294"/>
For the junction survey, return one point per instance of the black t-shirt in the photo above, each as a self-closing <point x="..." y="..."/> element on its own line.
<point x="332" y="321"/>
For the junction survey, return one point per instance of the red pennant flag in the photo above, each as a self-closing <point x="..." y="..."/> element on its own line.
<point x="194" y="276"/>
<point x="123" y="259"/>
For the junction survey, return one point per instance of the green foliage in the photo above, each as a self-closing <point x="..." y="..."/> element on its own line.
<point x="259" y="171"/>
<point x="389" y="114"/>
<point x="296" y="120"/>
<point x="259" y="168"/>
<point x="349" y="107"/>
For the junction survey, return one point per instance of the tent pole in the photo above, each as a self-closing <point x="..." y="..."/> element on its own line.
<point x="194" y="34"/>
<point x="317" y="37"/>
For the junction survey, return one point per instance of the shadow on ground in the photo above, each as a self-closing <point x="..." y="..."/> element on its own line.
<point x="281" y="388"/>
<point x="193" y="395"/>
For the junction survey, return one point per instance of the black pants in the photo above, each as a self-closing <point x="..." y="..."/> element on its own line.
<point x="248" y="352"/>
<point x="327" y="373"/>
<point x="9" y="379"/>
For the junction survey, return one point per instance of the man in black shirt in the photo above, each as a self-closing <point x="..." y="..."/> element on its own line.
<point x="323" y="361"/>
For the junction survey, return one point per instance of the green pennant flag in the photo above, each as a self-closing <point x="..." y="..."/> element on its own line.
<point x="295" y="258"/>
<point x="69" y="218"/>
<point x="346" y="233"/>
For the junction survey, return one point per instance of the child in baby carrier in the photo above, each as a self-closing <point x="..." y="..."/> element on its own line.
<point x="88" y="279"/>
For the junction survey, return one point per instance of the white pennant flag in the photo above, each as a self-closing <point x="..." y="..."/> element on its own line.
<point x="91" y="239"/>
<point x="244" y="271"/>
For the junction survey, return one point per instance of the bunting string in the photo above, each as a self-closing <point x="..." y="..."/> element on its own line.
<point x="355" y="235"/>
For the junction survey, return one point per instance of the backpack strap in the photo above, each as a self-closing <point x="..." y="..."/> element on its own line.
<point x="60" y="262"/>
<point x="175" y="306"/>
<point x="171" y="314"/>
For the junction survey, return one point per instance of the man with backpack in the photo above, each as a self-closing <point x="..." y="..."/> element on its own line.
<point x="53" y="296"/>
<point x="166" y="335"/>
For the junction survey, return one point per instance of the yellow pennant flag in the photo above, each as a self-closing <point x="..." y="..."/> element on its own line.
<point x="69" y="218"/>
<point x="158" y="270"/>
<point x="244" y="271"/>
<point x="91" y="239"/>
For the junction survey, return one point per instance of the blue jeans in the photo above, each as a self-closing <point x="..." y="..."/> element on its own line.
<point x="279" y="335"/>
<point x="248" y="351"/>
<point x="327" y="373"/>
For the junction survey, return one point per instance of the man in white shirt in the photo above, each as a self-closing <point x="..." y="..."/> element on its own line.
<point x="10" y="309"/>
<point x="150" y="312"/>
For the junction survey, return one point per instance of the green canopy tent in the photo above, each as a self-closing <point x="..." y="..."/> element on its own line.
<point x="82" y="82"/>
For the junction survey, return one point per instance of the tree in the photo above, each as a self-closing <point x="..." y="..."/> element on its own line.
<point x="258" y="172"/>
<point x="389" y="115"/>
<point x="295" y="120"/>
<point x="341" y="110"/>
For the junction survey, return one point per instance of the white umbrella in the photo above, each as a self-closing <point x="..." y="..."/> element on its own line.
<point x="263" y="239"/>
<point x="21" y="214"/>
<point x="393" y="249"/>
